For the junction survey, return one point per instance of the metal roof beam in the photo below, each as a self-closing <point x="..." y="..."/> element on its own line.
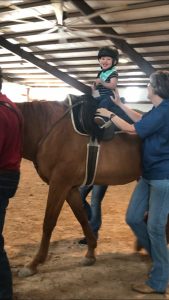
<point x="45" y="66"/>
<point x="121" y="44"/>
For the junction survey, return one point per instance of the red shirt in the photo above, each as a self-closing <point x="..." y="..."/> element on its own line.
<point x="10" y="136"/>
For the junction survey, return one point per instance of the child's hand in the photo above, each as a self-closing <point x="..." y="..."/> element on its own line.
<point x="116" y="100"/>
<point x="97" y="81"/>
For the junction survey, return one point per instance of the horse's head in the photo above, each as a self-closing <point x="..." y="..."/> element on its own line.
<point x="84" y="108"/>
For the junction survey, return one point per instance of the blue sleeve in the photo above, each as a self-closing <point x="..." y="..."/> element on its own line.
<point x="151" y="122"/>
<point x="114" y="74"/>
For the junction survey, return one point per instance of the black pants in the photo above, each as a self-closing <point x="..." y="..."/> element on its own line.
<point x="8" y="186"/>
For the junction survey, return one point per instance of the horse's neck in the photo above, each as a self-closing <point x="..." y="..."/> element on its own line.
<point x="38" y="119"/>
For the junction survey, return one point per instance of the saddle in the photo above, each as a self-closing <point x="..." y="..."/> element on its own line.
<point x="83" y="109"/>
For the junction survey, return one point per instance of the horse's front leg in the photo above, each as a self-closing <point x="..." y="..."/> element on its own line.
<point x="56" y="197"/>
<point x="75" y="202"/>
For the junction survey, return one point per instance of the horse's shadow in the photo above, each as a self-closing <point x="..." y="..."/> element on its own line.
<point x="69" y="251"/>
<point x="63" y="275"/>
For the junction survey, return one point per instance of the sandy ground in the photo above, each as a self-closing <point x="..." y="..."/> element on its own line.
<point x="62" y="276"/>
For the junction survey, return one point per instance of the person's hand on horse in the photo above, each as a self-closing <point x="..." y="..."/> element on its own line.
<point x="103" y="112"/>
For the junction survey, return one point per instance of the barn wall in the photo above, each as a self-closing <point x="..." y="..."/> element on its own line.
<point x="142" y="107"/>
<point x="19" y="93"/>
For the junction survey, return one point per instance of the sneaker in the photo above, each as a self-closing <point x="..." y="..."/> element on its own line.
<point x="107" y="124"/>
<point x="82" y="241"/>
<point x="99" y="120"/>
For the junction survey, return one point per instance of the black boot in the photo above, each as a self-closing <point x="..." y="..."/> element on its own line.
<point x="83" y="241"/>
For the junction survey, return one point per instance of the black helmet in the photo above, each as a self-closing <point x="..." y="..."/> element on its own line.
<point x="111" y="52"/>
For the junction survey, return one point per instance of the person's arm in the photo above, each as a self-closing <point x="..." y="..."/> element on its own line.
<point x="133" y="115"/>
<point x="109" y="85"/>
<point x="120" y="123"/>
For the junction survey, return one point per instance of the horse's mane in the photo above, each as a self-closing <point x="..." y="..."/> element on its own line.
<point x="47" y="113"/>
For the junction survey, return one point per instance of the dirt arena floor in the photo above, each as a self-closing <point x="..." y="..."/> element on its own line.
<point x="62" y="276"/>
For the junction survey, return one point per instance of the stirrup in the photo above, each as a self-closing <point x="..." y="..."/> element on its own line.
<point x="99" y="120"/>
<point x="106" y="125"/>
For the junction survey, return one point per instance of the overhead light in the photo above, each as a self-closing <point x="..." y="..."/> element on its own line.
<point x="73" y="75"/>
<point x="62" y="70"/>
<point x="123" y="60"/>
<point x="8" y="3"/>
<point x="17" y="1"/>
<point x="27" y="50"/>
<point x="132" y="94"/>
<point x="13" y="41"/>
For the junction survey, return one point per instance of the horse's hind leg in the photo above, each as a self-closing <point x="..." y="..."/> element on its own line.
<point x="53" y="208"/>
<point x="75" y="202"/>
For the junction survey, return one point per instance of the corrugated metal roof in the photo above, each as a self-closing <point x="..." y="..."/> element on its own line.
<point x="67" y="35"/>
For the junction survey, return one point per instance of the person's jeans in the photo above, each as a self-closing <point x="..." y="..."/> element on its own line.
<point x="84" y="191"/>
<point x="152" y="196"/>
<point x="94" y="210"/>
<point x="8" y="186"/>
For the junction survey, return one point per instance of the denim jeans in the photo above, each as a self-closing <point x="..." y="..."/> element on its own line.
<point x="106" y="102"/>
<point x="152" y="196"/>
<point x="8" y="185"/>
<point x="94" y="210"/>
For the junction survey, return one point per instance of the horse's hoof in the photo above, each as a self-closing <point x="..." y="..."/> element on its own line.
<point x="88" y="261"/>
<point x="26" y="272"/>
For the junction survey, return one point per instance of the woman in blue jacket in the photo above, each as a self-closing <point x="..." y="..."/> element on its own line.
<point x="152" y="190"/>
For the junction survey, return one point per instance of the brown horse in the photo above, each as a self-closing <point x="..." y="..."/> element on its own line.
<point x="59" y="155"/>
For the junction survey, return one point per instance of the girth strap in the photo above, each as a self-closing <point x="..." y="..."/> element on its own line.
<point x="93" y="150"/>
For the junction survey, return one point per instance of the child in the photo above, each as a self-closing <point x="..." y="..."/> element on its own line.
<point x="106" y="80"/>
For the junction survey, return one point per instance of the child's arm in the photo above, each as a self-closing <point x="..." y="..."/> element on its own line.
<point x="109" y="85"/>
<point x="133" y="115"/>
<point x="94" y="86"/>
